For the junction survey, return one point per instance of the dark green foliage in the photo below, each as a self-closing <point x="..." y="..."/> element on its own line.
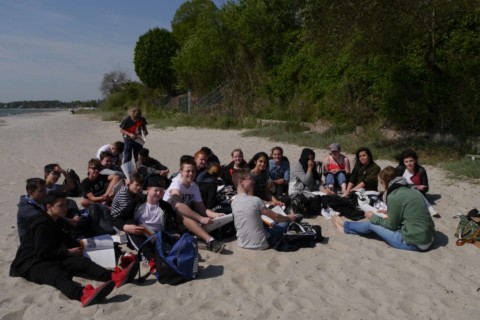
<point x="408" y="65"/>
<point x="153" y="59"/>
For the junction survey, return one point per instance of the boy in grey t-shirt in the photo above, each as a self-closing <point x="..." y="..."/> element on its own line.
<point x="247" y="211"/>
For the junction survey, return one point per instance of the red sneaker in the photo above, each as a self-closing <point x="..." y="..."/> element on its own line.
<point x="93" y="295"/>
<point x="120" y="277"/>
<point x="126" y="259"/>
<point x="152" y="265"/>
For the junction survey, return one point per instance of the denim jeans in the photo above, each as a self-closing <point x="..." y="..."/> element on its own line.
<point x="393" y="238"/>
<point x="276" y="232"/>
<point x="340" y="177"/>
<point x="129" y="146"/>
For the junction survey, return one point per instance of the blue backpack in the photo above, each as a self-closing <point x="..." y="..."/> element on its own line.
<point x="176" y="261"/>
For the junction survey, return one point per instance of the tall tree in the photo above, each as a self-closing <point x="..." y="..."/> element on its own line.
<point x="153" y="59"/>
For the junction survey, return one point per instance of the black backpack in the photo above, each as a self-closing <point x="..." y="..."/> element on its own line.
<point x="77" y="191"/>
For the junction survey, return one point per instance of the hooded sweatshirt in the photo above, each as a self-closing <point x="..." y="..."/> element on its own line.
<point x="408" y="213"/>
<point x="27" y="208"/>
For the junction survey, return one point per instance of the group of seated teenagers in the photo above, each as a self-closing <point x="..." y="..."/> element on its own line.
<point x="187" y="200"/>
<point x="47" y="254"/>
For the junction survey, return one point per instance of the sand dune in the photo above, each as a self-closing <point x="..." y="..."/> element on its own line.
<point x="348" y="277"/>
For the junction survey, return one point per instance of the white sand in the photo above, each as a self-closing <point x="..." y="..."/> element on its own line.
<point x="349" y="277"/>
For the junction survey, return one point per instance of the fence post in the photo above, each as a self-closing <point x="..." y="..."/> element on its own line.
<point x="189" y="96"/>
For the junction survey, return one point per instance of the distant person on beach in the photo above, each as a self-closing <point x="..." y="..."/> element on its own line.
<point x="30" y="204"/>
<point x="184" y="196"/>
<point x="304" y="176"/>
<point x="408" y="224"/>
<point x="247" y="211"/>
<point x="97" y="188"/>
<point x="238" y="162"/>
<point x="259" y="172"/>
<point x="279" y="171"/>
<point x="116" y="149"/>
<point x="336" y="168"/>
<point x="49" y="256"/>
<point x="132" y="128"/>
<point x="365" y="172"/>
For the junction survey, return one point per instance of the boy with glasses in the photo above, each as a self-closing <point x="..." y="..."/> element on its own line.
<point x="97" y="188"/>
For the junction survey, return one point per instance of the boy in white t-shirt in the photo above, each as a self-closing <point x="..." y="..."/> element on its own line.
<point x="184" y="195"/>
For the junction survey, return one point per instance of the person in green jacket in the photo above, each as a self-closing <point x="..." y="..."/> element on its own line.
<point x="408" y="224"/>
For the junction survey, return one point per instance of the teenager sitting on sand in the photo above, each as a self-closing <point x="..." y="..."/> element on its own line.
<point x="201" y="163"/>
<point x="416" y="175"/>
<point x="149" y="166"/>
<point x="184" y="196"/>
<point x="365" y="172"/>
<point x="116" y="149"/>
<point x="408" y="225"/>
<point x="259" y="172"/>
<point x="238" y="162"/>
<point x="30" y="204"/>
<point x="127" y="194"/>
<point x="106" y="159"/>
<point x="49" y="256"/>
<point x="52" y="173"/>
<point x="304" y="176"/>
<point x="97" y="188"/>
<point x="247" y="211"/>
<point x="279" y="171"/>
<point x="336" y="168"/>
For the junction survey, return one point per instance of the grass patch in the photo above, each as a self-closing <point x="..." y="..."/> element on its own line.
<point x="438" y="154"/>
<point x="465" y="168"/>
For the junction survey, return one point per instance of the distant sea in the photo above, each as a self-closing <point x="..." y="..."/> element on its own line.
<point x="12" y="112"/>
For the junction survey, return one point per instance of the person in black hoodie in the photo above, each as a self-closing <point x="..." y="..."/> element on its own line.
<point x="30" y="204"/>
<point x="47" y="255"/>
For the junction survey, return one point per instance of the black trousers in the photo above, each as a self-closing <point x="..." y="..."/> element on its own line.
<point x="135" y="241"/>
<point x="59" y="274"/>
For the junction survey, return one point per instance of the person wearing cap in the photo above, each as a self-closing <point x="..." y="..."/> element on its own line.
<point x="336" y="167"/>
<point x="149" y="212"/>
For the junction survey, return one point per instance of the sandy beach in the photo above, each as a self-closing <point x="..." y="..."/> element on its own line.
<point x="347" y="277"/>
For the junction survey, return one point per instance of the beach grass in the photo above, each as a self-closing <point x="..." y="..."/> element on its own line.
<point x="441" y="154"/>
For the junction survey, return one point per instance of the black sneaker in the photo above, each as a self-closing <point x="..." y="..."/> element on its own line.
<point x="216" y="246"/>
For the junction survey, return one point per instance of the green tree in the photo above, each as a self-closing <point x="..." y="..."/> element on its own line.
<point x="198" y="63"/>
<point x="153" y="59"/>
<point x="189" y="16"/>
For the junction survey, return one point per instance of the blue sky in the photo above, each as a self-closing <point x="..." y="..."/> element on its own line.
<point x="60" y="50"/>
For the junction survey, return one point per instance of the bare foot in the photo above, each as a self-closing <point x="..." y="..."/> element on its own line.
<point x="338" y="223"/>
